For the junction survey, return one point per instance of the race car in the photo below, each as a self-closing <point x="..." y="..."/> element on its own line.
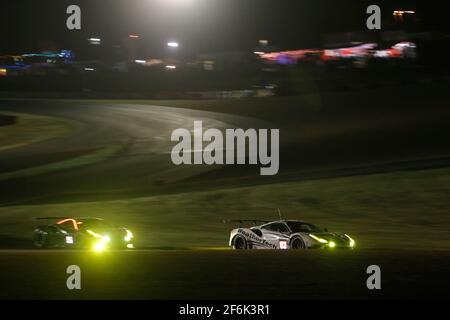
<point x="12" y="66"/>
<point x="81" y="233"/>
<point x="286" y="234"/>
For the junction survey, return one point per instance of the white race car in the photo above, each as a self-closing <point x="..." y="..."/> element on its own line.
<point x="286" y="234"/>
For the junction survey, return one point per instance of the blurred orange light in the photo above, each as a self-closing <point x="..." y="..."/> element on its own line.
<point x="74" y="222"/>
<point x="402" y="12"/>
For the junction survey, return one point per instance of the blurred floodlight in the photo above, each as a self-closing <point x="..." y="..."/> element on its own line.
<point x="173" y="44"/>
<point x="177" y="3"/>
<point x="171" y="67"/>
<point x="134" y="36"/>
<point x="259" y="53"/>
<point x="140" y="61"/>
<point x="95" y="41"/>
<point x="400" y="13"/>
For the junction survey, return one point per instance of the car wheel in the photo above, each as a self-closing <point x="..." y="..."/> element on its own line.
<point x="297" y="243"/>
<point x="239" y="243"/>
<point x="41" y="241"/>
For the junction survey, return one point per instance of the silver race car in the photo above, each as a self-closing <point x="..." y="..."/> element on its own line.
<point x="286" y="234"/>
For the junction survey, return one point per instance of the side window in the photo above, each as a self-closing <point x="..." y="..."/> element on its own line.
<point x="282" y="228"/>
<point x="305" y="228"/>
<point x="257" y="232"/>
<point x="276" y="227"/>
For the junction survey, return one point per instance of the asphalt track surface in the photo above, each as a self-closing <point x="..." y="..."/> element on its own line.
<point x="225" y="274"/>
<point x="142" y="133"/>
<point x="142" y="165"/>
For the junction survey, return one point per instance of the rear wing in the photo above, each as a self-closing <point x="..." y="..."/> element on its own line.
<point x="50" y="218"/>
<point x="243" y="221"/>
<point x="66" y="217"/>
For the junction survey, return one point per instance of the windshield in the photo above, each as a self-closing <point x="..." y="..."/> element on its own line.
<point x="296" y="226"/>
<point x="93" y="224"/>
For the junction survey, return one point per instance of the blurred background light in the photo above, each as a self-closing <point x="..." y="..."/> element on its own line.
<point x="173" y="44"/>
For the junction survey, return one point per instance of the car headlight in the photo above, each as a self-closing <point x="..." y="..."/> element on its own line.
<point x="102" y="243"/>
<point x="99" y="246"/>
<point x="318" y="239"/>
<point x="129" y="236"/>
<point x="352" y="242"/>
<point x="105" y="238"/>
<point x="331" y="244"/>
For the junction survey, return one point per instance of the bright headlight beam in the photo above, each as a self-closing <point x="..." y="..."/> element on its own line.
<point x="129" y="236"/>
<point x="99" y="246"/>
<point x="104" y="239"/>
<point x="318" y="239"/>
<point x="352" y="242"/>
<point x="349" y="238"/>
<point x="94" y="234"/>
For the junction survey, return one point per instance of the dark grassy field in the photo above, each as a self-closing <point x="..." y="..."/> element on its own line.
<point x="407" y="210"/>
<point x="26" y="129"/>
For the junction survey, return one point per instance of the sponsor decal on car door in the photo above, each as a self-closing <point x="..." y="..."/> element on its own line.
<point x="278" y="239"/>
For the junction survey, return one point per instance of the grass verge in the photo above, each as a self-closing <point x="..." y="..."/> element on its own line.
<point x="402" y="210"/>
<point x="94" y="157"/>
<point x="31" y="129"/>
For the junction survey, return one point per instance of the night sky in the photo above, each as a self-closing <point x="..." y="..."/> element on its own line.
<point x="199" y="25"/>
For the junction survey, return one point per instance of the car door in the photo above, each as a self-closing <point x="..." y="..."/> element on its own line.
<point x="277" y="234"/>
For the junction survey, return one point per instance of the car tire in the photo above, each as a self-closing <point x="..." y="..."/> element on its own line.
<point x="239" y="243"/>
<point x="297" y="243"/>
<point x="41" y="241"/>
